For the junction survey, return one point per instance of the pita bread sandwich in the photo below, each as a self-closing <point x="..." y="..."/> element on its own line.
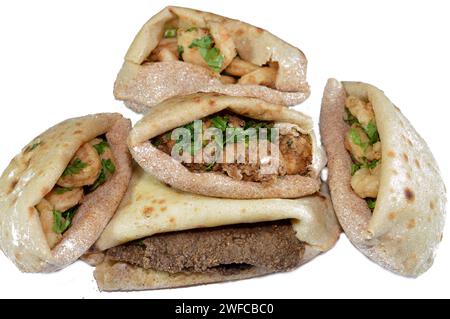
<point x="163" y="238"/>
<point x="58" y="194"/>
<point x="229" y="147"/>
<point x="181" y="51"/>
<point x="385" y="184"/>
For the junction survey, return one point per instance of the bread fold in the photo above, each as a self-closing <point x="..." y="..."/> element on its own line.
<point x="405" y="228"/>
<point x="142" y="84"/>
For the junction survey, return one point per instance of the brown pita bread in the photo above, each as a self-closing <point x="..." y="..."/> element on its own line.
<point x="179" y="111"/>
<point x="142" y="85"/>
<point x="34" y="172"/>
<point x="406" y="226"/>
<point x="119" y="276"/>
<point x="149" y="207"/>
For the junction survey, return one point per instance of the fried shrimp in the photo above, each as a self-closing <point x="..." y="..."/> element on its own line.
<point x="62" y="199"/>
<point x="47" y="221"/>
<point x="239" y="67"/>
<point x="361" y="110"/>
<point x="223" y="42"/>
<point x="185" y="40"/>
<point x="83" y="169"/>
<point x="365" y="182"/>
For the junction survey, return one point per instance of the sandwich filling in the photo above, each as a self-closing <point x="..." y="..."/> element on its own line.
<point x="244" y="149"/>
<point x="212" y="48"/>
<point x="228" y="249"/>
<point x="91" y="166"/>
<point x="363" y="143"/>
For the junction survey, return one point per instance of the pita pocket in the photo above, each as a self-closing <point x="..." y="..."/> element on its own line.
<point x="59" y="193"/>
<point x="235" y="161"/>
<point x="182" y="51"/>
<point x="164" y="238"/>
<point x="385" y="184"/>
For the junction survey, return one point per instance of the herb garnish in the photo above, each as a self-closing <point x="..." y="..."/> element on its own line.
<point x="62" y="221"/>
<point x="170" y="33"/>
<point x="220" y="122"/>
<point x="356" y="167"/>
<point x="371" y="203"/>
<point x="372" y="132"/>
<point x="61" y="190"/>
<point x="180" y="51"/>
<point x="356" y="139"/>
<point x="100" y="147"/>
<point x="74" y="168"/>
<point x="210" y="54"/>
<point x="192" y="29"/>
<point x="350" y="118"/>
<point x="107" y="167"/>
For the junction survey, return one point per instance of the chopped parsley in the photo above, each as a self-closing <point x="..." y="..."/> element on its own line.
<point x="205" y="42"/>
<point x="170" y="33"/>
<point x="62" y="221"/>
<point x="350" y="119"/>
<point x="372" y="132"/>
<point x="61" y="190"/>
<point x="371" y="203"/>
<point x="107" y="167"/>
<point x="356" y="167"/>
<point x="371" y="165"/>
<point x="210" y="54"/>
<point x="192" y="29"/>
<point x="220" y="122"/>
<point x="100" y="147"/>
<point x="74" y="168"/>
<point x="157" y="141"/>
<point x="356" y="139"/>
<point x="180" y="51"/>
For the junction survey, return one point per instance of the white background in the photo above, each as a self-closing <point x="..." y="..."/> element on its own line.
<point x="59" y="59"/>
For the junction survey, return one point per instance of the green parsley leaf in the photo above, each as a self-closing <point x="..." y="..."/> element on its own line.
<point x="61" y="190"/>
<point x="371" y="165"/>
<point x="180" y="51"/>
<point x="157" y="141"/>
<point x="62" y="221"/>
<point x="371" y="203"/>
<point x="350" y="119"/>
<point x="220" y="122"/>
<point x="107" y="167"/>
<point x="372" y="132"/>
<point x="192" y="29"/>
<point x="100" y="180"/>
<point x="211" y="55"/>
<point x="100" y="147"/>
<point x="355" y="167"/>
<point x="74" y="168"/>
<point x="213" y="58"/>
<point x="170" y="33"/>
<point x="356" y="139"/>
<point x="205" y="42"/>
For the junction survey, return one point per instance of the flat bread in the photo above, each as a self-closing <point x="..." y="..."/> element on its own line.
<point x="35" y="171"/>
<point x="179" y="111"/>
<point x="142" y="85"/>
<point x="406" y="226"/>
